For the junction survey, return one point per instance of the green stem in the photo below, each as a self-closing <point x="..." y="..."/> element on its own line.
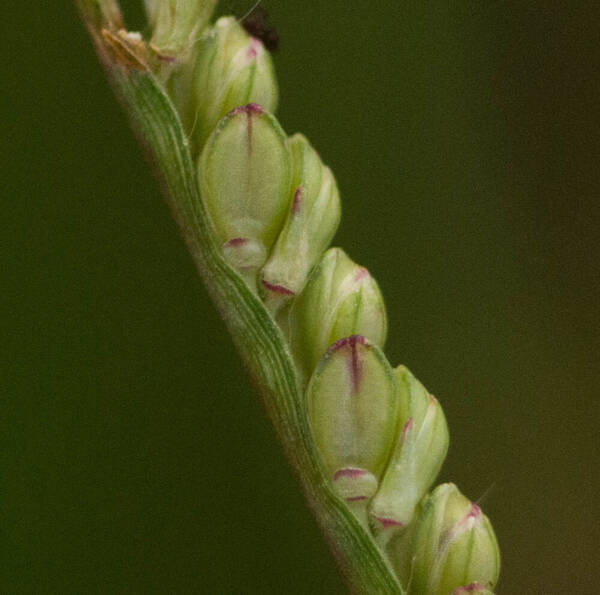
<point x="257" y="337"/>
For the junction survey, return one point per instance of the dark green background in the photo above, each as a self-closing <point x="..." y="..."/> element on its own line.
<point x="134" y="458"/>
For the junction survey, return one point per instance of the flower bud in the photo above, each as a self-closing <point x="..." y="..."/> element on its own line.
<point x="232" y="69"/>
<point x="417" y="457"/>
<point x="339" y="300"/>
<point x="245" y="183"/>
<point x="454" y="545"/>
<point x="176" y="24"/>
<point x="312" y="221"/>
<point x="352" y="410"/>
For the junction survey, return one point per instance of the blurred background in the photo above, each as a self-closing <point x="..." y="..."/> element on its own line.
<point x="464" y="136"/>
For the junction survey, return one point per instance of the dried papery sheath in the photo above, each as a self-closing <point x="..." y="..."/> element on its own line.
<point x="312" y="220"/>
<point x="454" y="545"/>
<point x="176" y="24"/>
<point x="340" y="299"/>
<point x="352" y="410"/>
<point x="417" y="457"/>
<point x="244" y="174"/>
<point x="232" y="69"/>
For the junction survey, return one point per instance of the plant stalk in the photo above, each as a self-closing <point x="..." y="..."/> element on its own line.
<point x="256" y="335"/>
